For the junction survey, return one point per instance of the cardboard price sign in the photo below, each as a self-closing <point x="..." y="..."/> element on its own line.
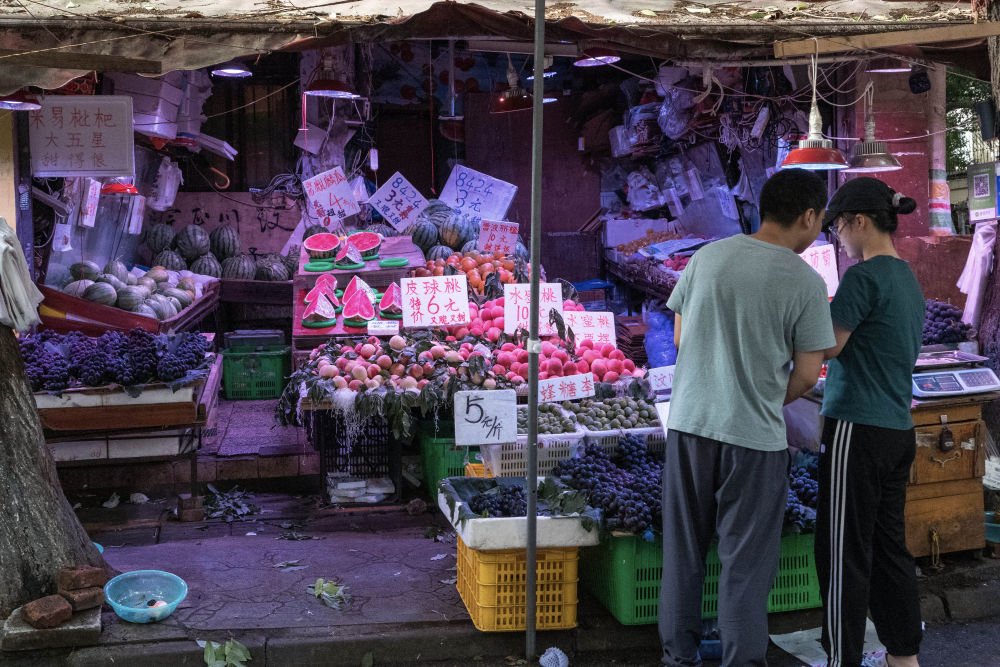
<point x="383" y="327"/>
<point x="485" y="417"/>
<point x="398" y="202"/>
<point x="823" y="259"/>
<point x="566" y="388"/>
<point x="597" y="326"/>
<point x="331" y="197"/>
<point x="662" y="378"/>
<point x="477" y="195"/>
<point x="517" y="306"/>
<point x="435" y="301"/>
<point x="497" y="236"/>
<point x="82" y="135"/>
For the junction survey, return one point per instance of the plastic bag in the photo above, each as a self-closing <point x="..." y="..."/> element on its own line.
<point x="643" y="193"/>
<point x="674" y="116"/>
<point x="168" y="180"/>
<point x="659" y="343"/>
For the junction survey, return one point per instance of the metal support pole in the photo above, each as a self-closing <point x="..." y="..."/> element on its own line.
<point x="534" y="347"/>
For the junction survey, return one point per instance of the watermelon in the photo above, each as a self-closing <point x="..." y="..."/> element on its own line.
<point x="383" y="230"/>
<point x="240" y="267"/>
<point x="348" y="255"/>
<point x="356" y="285"/>
<point x="145" y="309"/>
<point x="207" y="265"/>
<point x="157" y="274"/>
<point x="424" y="233"/>
<point x="78" y="287"/>
<point x="291" y="260"/>
<point x="169" y="260"/>
<point x="320" y="310"/>
<point x="471" y="246"/>
<point x="368" y="243"/>
<point x="312" y="230"/>
<point x="440" y="252"/>
<point x="193" y="242"/>
<point x="84" y="271"/>
<point x="321" y="246"/>
<point x="224" y="242"/>
<point x="358" y="307"/>
<point x="183" y="298"/>
<point x="273" y="272"/>
<point x="437" y="212"/>
<point x="392" y="300"/>
<point x="159" y="237"/>
<point x="322" y="291"/>
<point x="111" y="280"/>
<point x="130" y="298"/>
<point x="101" y="293"/>
<point x="455" y="233"/>
<point x="117" y="269"/>
<point x="327" y="279"/>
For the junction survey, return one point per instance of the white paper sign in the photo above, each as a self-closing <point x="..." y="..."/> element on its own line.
<point x="662" y="378"/>
<point x="88" y="205"/>
<point x="663" y="412"/>
<point x="136" y="213"/>
<point x="477" y="195"/>
<point x="331" y="197"/>
<point x="485" y="417"/>
<point x="435" y="301"/>
<point x="824" y="260"/>
<point x="383" y="327"/>
<point x="497" y="235"/>
<point x="598" y="326"/>
<point x="517" y="306"/>
<point x="567" y="388"/>
<point x="398" y="202"/>
<point x="82" y="135"/>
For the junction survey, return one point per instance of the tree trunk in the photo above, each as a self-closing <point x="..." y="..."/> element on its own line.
<point x="39" y="532"/>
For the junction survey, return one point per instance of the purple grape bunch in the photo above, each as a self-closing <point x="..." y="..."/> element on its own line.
<point x="943" y="324"/>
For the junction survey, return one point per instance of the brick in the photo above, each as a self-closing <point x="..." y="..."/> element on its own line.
<point x="278" y="466"/>
<point x="83" y="576"/>
<point x="309" y="464"/>
<point x="207" y="471"/>
<point x="85" y="598"/>
<point x="83" y="629"/>
<point x="185" y="501"/>
<point x="196" y="514"/>
<point x="237" y="469"/>
<point x="48" y="612"/>
<point x="181" y="472"/>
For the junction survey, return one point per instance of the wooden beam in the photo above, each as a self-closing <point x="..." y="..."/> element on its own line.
<point x="58" y="59"/>
<point x="881" y="40"/>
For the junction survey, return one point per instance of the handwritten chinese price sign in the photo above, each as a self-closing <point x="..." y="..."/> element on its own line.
<point x="436" y="301"/>
<point x="662" y="378"/>
<point x="485" y="417"/>
<point x="598" y="326"/>
<point x="398" y="202"/>
<point x="824" y="261"/>
<point x="517" y="306"/>
<point x="477" y="195"/>
<point x="331" y="197"/>
<point x="82" y="136"/>
<point x="566" y="388"/>
<point x="497" y="236"/>
<point x="88" y="204"/>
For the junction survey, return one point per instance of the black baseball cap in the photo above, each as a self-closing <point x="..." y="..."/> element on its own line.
<point x="859" y="195"/>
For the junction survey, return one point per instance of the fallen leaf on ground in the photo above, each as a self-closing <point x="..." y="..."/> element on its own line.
<point x="439" y="556"/>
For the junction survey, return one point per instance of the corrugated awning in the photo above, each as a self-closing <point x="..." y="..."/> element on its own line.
<point x="36" y="36"/>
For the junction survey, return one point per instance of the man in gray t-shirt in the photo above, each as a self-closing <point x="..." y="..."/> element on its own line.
<point x="752" y="321"/>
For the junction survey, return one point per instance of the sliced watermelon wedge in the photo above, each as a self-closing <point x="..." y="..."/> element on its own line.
<point x="348" y="254"/>
<point x="392" y="300"/>
<point x="321" y="246"/>
<point x="359" y="308"/>
<point x="320" y="310"/>
<point x="355" y="285"/>
<point x="327" y="279"/>
<point x="368" y="243"/>
<point x="321" y="291"/>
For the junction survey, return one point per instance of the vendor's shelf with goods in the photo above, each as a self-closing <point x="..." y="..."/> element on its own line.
<point x="383" y="265"/>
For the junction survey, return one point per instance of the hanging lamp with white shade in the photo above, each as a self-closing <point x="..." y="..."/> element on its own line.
<point x="814" y="152"/>
<point x="20" y="101"/>
<point x="871" y="156"/>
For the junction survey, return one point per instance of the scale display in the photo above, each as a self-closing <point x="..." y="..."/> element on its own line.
<point x="954" y="382"/>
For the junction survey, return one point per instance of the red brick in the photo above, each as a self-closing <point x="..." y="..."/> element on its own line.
<point x="186" y="502"/>
<point x="85" y="598"/>
<point x="181" y="472"/>
<point x="77" y="578"/>
<point x="278" y="466"/>
<point x="207" y="471"/>
<point x="237" y="469"/>
<point x="48" y="612"/>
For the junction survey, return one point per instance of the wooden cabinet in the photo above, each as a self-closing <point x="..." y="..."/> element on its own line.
<point x="944" y="499"/>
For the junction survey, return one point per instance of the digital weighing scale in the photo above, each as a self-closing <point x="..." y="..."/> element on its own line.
<point x="952" y="373"/>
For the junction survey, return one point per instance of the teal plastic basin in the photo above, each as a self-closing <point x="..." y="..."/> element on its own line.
<point x="131" y="594"/>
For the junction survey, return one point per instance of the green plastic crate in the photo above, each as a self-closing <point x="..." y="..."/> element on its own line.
<point x="252" y="373"/>
<point x="624" y="573"/>
<point x="441" y="458"/>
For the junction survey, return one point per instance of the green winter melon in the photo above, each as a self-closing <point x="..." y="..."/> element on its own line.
<point x="169" y="260"/>
<point x="84" y="271"/>
<point x="78" y="287"/>
<point x="225" y="242"/>
<point x="102" y="293"/>
<point x="193" y="242"/>
<point x="183" y="297"/>
<point x="241" y="267"/>
<point x="207" y="265"/>
<point x="130" y="298"/>
<point x="146" y="310"/>
<point x="117" y="269"/>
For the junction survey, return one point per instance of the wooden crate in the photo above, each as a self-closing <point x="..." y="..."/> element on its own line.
<point x="931" y="465"/>
<point x="951" y="510"/>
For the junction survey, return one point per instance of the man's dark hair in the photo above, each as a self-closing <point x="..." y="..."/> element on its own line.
<point x="790" y="193"/>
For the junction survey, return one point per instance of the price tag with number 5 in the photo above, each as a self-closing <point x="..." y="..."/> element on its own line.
<point x="485" y="417"/>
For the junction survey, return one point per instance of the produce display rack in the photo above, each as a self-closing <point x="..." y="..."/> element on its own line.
<point x="373" y="274"/>
<point x="260" y="292"/>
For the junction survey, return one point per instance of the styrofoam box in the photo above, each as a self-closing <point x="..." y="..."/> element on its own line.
<point x="131" y="84"/>
<point x="79" y="451"/>
<point x="142" y="445"/>
<point x="512" y="532"/>
<point x="88" y="398"/>
<point x="151" y="105"/>
<point x="154" y="126"/>
<point x="617" y="232"/>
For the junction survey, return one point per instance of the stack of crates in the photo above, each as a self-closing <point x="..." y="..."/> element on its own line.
<point x="493" y="584"/>
<point x="255" y="364"/>
<point x="441" y="457"/>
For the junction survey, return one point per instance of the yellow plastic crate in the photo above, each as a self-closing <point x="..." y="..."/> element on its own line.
<point x="477" y="470"/>
<point x="492" y="586"/>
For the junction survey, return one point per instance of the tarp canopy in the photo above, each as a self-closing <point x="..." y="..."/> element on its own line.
<point x="37" y="37"/>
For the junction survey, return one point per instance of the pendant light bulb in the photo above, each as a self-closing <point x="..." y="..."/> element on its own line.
<point x="871" y="156"/>
<point x="815" y="153"/>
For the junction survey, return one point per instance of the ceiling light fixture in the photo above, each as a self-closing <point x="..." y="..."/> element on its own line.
<point x="514" y="98"/>
<point x="870" y="156"/>
<point x="19" y="101"/>
<point x="887" y="65"/>
<point x="597" y="56"/>
<point x="327" y="85"/>
<point x="232" y="69"/>
<point x="549" y="71"/>
<point x="814" y="152"/>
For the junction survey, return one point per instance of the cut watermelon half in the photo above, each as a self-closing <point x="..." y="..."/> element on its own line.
<point x="349" y="255"/>
<point x="368" y="243"/>
<point x="392" y="301"/>
<point x="359" y="308"/>
<point x="321" y="246"/>
<point x="327" y="279"/>
<point x="357" y="284"/>
<point x="320" y="310"/>
<point x="322" y="291"/>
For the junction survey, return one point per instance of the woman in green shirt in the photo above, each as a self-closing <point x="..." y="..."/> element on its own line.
<point x="868" y="438"/>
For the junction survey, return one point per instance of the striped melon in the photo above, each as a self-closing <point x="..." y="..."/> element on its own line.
<point x="111" y="280"/>
<point x="117" y="268"/>
<point x="471" y="246"/>
<point x="77" y="288"/>
<point x="102" y="293"/>
<point x="437" y="212"/>
<point x="183" y="297"/>
<point x="207" y="265"/>
<point x="130" y="298"/>
<point x="440" y="252"/>
<point x="169" y="260"/>
<point x="159" y="237"/>
<point x="273" y="272"/>
<point x="84" y="270"/>
<point x="193" y="242"/>
<point x="455" y="233"/>
<point x="292" y="260"/>
<point x="145" y="309"/>
<point x="241" y="267"/>
<point x="225" y="242"/>
<point x="424" y="233"/>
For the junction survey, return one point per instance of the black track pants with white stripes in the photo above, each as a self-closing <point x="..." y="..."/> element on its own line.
<point x="861" y="555"/>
